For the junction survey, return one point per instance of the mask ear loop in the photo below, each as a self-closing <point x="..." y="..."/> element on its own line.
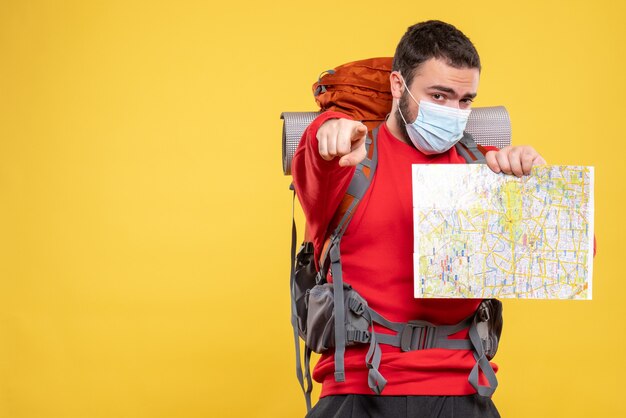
<point x="406" y="88"/>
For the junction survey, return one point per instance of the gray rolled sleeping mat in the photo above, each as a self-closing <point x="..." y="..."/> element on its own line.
<point x="487" y="125"/>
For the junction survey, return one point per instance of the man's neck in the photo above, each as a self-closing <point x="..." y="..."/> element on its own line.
<point x="393" y="125"/>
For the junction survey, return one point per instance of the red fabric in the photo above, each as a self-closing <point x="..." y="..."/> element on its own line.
<point x="377" y="259"/>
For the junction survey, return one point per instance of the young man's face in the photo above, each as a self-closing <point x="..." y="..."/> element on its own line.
<point x="437" y="82"/>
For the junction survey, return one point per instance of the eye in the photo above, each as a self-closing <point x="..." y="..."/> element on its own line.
<point x="465" y="103"/>
<point x="438" y="97"/>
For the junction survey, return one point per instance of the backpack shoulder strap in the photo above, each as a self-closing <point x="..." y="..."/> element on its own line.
<point x="363" y="175"/>
<point x="331" y="255"/>
<point x="469" y="150"/>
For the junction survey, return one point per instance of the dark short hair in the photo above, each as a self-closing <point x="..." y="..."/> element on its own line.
<point x="433" y="39"/>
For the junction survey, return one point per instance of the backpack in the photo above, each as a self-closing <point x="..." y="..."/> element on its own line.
<point x="333" y="315"/>
<point x="359" y="89"/>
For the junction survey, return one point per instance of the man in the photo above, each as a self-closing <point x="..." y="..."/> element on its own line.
<point x="435" y="77"/>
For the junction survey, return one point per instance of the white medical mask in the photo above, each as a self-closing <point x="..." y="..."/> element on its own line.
<point x="436" y="128"/>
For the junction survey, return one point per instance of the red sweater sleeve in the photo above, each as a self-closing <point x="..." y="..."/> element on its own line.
<point x="320" y="185"/>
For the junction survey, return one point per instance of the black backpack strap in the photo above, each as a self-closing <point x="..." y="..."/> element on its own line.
<point x="468" y="149"/>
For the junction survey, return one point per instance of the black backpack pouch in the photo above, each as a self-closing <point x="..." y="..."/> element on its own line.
<point x="304" y="280"/>
<point x="488" y="321"/>
<point x="320" y="335"/>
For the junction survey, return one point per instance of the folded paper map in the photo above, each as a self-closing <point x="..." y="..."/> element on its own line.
<point x="484" y="235"/>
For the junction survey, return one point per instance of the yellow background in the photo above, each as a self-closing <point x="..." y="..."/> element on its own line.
<point x="145" y="220"/>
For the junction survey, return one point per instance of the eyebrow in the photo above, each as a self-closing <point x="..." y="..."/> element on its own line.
<point x="451" y="91"/>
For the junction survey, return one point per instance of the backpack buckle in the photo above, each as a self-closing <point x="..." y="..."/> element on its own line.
<point x="417" y="335"/>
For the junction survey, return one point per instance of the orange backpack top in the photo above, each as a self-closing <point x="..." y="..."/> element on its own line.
<point x="359" y="89"/>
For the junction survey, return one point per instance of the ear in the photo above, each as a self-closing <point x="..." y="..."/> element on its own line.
<point x="396" y="84"/>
